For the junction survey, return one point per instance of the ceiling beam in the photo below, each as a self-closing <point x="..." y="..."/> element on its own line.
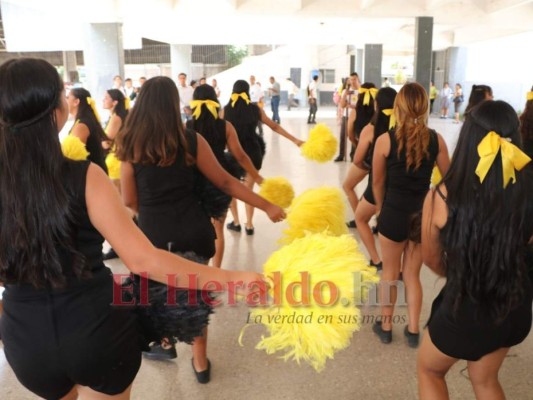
<point x="494" y="6"/>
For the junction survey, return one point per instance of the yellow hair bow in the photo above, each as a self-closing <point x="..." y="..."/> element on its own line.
<point x="235" y="97"/>
<point x="389" y="112"/>
<point x="210" y="104"/>
<point x="512" y="157"/>
<point x="368" y="92"/>
<point x="529" y="96"/>
<point x="92" y="104"/>
<point x="127" y="103"/>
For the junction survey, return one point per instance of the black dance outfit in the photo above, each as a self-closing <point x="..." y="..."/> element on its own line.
<point x="405" y="189"/>
<point x="93" y="145"/>
<point x="527" y="145"/>
<point x="469" y="334"/>
<point x="368" y="193"/>
<point x="57" y="338"/>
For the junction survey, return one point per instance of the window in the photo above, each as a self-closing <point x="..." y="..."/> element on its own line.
<point x="328" y="75"/>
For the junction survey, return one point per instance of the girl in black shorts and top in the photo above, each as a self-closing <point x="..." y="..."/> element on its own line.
<point x="158" y="177"/>
<point x="62" y="335"/>
<point x="245" y="116"/>
<point x="219" y="134"/>
<point x="475" y="232"/>
<point x="401" y="169"/>
<point x="363" y="159"/>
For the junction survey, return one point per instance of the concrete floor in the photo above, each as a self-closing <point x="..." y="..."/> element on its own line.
<point x="365" y="370"/>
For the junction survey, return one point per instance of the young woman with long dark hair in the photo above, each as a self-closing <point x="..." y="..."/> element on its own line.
<point x="401" y="171"/>
<point x="476" y="227"/>
<point x="526" y="124"/>
<point x="61" y="335"/>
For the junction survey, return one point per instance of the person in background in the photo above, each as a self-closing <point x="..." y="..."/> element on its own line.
<point x="458" y="99"/>
<point x="274" y="92"/>
<point x="117" y="84"/>
<point x="214" y="84"/>
<point x="129" y="89"/>
<point x="445" y="96"/>
<point x="312" y="96"/>
<point x="348" y="101"/>
<point x="478" y="94"/>
<point x="386" y="82"/>
<point x="476" y="227"/>
<point x="256" y="97"/>
<point x="433" y="92"/>
<point x="292" y="91"/>
<point x="526" y="124"/>
<point x="185" y="92"/>
<point x="342" y="114"/>
<point x="202" y="81"/>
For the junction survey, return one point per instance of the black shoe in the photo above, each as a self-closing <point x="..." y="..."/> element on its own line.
<point x="232" y="227"/>
<point x="378" y="266"/>
<point x="351" y="224"/>
<point x="339" y="159"/>
<point x="312" y="122"/>
<point x="202" y="376"/>
<point x="157" y="352"/>
<point x="110" y="254"/>
<point x="375" y="229"/>
<point x="412" y="338"/>
<point x="384" y="336"/>
<point x="249" y="231"/>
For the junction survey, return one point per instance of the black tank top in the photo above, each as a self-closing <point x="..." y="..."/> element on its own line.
<point x="94" y="145"/>
<point x="170" y="213"/>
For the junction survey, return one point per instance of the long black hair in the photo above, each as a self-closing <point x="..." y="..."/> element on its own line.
<point x="487" y="230"/>
<point x="526" y="120"/>
<point x="36" y="210"/>
<point x="120" y="108"/>
<point x="241" y="114"/>
<point x="385" y="100"/>
<point x="477" y="95"/>
<point x="364" y="113"/>
<point x="87" y="114"/>
<point x="206" y="122"/>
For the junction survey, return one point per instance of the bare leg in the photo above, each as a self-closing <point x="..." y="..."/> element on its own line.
<point x="249" y="183"/>
<point x="87" y="393"/>
<point x="484" y="375"/>
<point x="412" y="262"/>
<point x="391" y="253"/>
<point x="363" y="214"/>
<point x="432" y="366"/>
<point x="354" y="176"/>
<point x="199" y="352"/>
<point x="234" y="211"/>
<point x="219" y="241"/>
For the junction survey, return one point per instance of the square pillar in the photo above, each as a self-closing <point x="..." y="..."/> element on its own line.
<point x="423" y="50"/>
<point x="373" y="60"/>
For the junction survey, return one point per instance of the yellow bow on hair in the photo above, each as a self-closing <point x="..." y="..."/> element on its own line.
<point x="210" y="104"/>
<point x="512" y="157"/>
<point x="368" y="92"/>
<point x="529" y="96"/>
<point x="235" y="97"/>
<point x="92" y="104"/>
<point x="127" y="103"/>
<point x="389" y="112"/>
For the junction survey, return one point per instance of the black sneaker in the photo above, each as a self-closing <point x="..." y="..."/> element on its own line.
<point x="232" y="227"/>
<point x="157" y="352"/>
<point x="412" y="338"/>
<point x="384" y="336"/>
<point x="110" y="254"/>
<point x="351" y="224"/>
<point x="202" y="376"/>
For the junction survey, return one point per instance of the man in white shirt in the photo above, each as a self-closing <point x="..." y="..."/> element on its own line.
<point x="185" y="92"/>
<point x="312" y="94"/>
<point x="256" y="95"/>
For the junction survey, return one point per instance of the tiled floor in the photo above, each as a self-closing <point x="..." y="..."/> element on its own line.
<point x="365" y="370"/>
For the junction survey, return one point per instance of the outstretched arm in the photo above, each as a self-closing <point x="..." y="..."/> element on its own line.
<point x="365" y="140"/>
<point x="379" y="169"/>
<point x="278" y="129"/>
<point x="434" y="216"/>
<point x="242" y="158"/>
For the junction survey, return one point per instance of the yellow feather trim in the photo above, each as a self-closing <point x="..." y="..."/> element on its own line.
<point x="316" y="210"/>
<point x="278" y="191"/>
<point x="321" y="145"/>
<point x="436" y="176"/>
<point x="310" y="326"/>
<point x="74" y="148"/>
<point x="113" y="166"/>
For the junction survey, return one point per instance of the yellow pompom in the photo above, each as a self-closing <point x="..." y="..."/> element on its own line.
<point x="113" y="166"/>
<point x="278" y="191"/>
<point x="74" y="148"/>
<point x="317" y="283"/>
<point x="436" y="176"/>
<point x="321" y="145"/>
<point x="315" y="211"/>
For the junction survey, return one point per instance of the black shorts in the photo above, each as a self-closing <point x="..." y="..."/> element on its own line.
<point x="399" y="217"/>
<point x="55" y="340"/>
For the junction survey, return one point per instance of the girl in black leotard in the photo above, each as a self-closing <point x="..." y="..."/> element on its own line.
<point x="401" y="170"/>
<point x="219" y="134"/>
<point x="475" y="232"/>
<point x="60" y="332"/>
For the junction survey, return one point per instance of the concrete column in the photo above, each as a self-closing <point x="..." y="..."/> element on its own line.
<point x="359" y="62"/>
<point x="423" y="50"/>
<point x="180" y="60"/>
<point x="103" y="56"/>
<point x="457" y="59"/>
<point x="70" y="73"/>
<point x="373" y="59"/>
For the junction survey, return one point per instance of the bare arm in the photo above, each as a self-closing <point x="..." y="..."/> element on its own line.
<point x="115" y="122"/>
<point x="242" y="158"/>
<point x="434" y="216"/>
<point x="443" y="159"/>
<point x="81" y="131"/>
<point x="278" y="129"/>
<point x="128" y="186"/>
<point x="365" y="140"/>
<point x="212" y="170"/>
<point x="350" y="125"/>
<point x="379" y="169"/>
<point x="112" y="220"/>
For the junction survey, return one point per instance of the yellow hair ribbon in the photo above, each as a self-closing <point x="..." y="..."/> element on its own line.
<point x="127" y="103"/>
<point x="529" y="96"/>
<point x="92" y="103"/>
<point x="389" y="112"/>
<point x="211" y="105"/>
<point x="368" y="92"/>
<point x="512" y="157"/>
<point x="235" y="97"/>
